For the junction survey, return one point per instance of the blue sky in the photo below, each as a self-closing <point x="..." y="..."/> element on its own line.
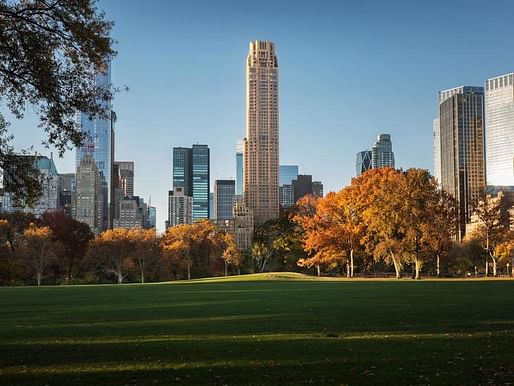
<point x="348" y="70"/>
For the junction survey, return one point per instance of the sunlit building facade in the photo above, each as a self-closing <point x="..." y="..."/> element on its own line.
<point x="382" y="152"/>
<point x="499" y="133"/>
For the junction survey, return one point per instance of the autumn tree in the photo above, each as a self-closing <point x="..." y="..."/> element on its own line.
<point x="493" y="225"/>
<point x="505" y="252"/>
<point x="73" y="237"/>
<point x="39" y="243"/>
<point x="50" y="52"/>
<point x="225" y="245"/>
<point x="111" y="251"/>
<point x="144" y="249"/>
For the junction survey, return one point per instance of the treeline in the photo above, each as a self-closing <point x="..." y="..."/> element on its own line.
<point x="385" y="222"/>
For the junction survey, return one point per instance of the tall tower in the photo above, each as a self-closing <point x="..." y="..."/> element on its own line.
<point x="261" y="145"/>
<point x="461" y="147"/>
<point x="239" y="167"/>
<point x="382" y="155"/>
<point x="499" y="99"/>
<point x="99" y="141"/>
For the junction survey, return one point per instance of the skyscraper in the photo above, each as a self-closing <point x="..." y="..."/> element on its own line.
<point x="499" y="132"/>
<point x="302" y="186"/>
<point x="88" y="204"/>
<point x="99" y="140"/>
<point x="126" y="169"/>
<point x="200" y="182"/>
<point x="436" y="137"/>
<point x="224" y="191"/>
<point x="382" y="152"/>
<point x="180" y="208"/>
<point x="362" y="162"/>
<point x="239" y="167"/>
<point x="317" y="188"/>
<point x="288" y="173"/>
<point x="182" y="169"/>
<point x="461" y="146"/>
<point x="261" y="145"/>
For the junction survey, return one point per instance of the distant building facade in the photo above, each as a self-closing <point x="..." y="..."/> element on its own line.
<point x="302" y="186"/>
<point x="180" y="208"/>
<point x="224" y="191"/>
<point x="88" y="206"/>
<point x="317" y="189"/>
<point x="239" y="167"/>
<point x="286" y="196"/>
<point x="382" y="152"/>
<point x="363" y="162"/>
<point x="461" y="147"/>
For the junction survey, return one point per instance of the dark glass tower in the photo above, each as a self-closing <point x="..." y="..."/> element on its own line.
<point x="224" y="191"/>
<point x="200" y="182"/>
<point x="182" y="169"/>
<point x="363" y="162"/>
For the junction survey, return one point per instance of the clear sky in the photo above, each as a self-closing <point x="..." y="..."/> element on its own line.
<point x="348" y="70"/>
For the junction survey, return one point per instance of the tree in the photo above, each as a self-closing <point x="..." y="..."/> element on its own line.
<point x="505" y="252"/>
<point x="383" y="214"/>
<point x="110" y="250"/>
<point x="50" y="51"/>
<point x="494" y="222"/>
<point x="230" y="254"/>
<point x="73" y="236"/>
<point x="144" y="249"/>
<point x="260" y="255"/>
<point x="38" y="242"/>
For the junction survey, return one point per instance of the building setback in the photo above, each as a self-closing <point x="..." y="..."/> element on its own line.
<point x="461" y="144"/>
<point x="261" y="145"/>
<point x="499" y="132"/>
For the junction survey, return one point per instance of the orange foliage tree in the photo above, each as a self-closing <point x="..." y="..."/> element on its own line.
<point x="38" y="243"/>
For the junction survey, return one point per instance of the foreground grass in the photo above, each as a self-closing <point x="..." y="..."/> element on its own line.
<point x="278" y="329"/>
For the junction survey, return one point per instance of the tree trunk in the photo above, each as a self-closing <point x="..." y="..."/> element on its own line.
<point x="486" y="266"/>
<point x="318" y="270"/>
<point x="418" y="268"/>
<point x="238" y="270"/>
<point x="120" y="277"/>
<point x="512" y="267"/>
<point x="348" y="268"/>
<point x="142" y="277"/>
<point x="188" y="267"/>
<point x="438" y="266"/>
<point x="396" y="266"/>
<point x="38" y="274"/>
<point x="351" y="262"/>
<point x="495" y="273"/>
<point x="226" y="267"/>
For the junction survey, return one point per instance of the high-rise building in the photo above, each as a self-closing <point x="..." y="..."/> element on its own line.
<point x="302" y="186"/>
<point x="239" y="167"/>
<point x="286" y="193"/>
<point x="288" y="173"/>
<point x="152" y="216"/>
<point x="99" y="140"/>
<point x="499" y="132"/>
<point x="126" y="170"/>
<point x="382" y="152"/>
<point x="183" y="169"/>
<point x="224" y="191"/>
<point x="461" y="147"/>
<point x="49" y="199"/>
<point x="436" y="137"/>
<point x="261" y="145"/>
<point x="132" y="213"/>
<point x="180" y="208"/>
<point x="363" y="162"/>
<point x="243" y="225"/>
<point x="201" y="178"/>
<point x="317" y="188"/>
<point x="66" y="191"/>
<point x="88" y="205"/>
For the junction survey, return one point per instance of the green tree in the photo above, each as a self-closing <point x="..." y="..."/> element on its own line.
<point x="50" y="51"/>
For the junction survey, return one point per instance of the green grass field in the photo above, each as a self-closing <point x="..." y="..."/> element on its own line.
<point x="259" y="330"/>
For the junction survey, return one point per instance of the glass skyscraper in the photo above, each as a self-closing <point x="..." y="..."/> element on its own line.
<point x="182" y="169"/>
<point x="382" y="152"/>
<point x="99" y="141"/>
<point x="224" y="191"/>
<point x="461" y="147"/>
<point x="288" y="173"/>
<point x="499" y="133"/>
<point x="362" y="162"/>
<point x="239" y="168"/>
<point x="200" y="182"/>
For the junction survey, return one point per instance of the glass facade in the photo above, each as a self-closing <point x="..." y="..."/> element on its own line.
<point x="363" y="162"/>
<point x="99" y="141"/>
<point x="182" y="169"/>
<point x="239" y="168"/>
<point x="224" y="191"/>
<point x="288" y="173"/>
<point x="200" y="182"/>
<point x="461" y="147"/>
<point x="499" y="100"/>
<point x="382" y="152"/>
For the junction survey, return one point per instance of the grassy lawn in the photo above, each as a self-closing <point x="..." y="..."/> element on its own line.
<point x="254" y="330"/>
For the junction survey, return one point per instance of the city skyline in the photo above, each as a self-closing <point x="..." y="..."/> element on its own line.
<point x="339" y="112"/>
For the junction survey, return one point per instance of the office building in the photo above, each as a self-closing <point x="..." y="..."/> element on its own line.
<point x="382" y="152"/>
<point x="461" y="147"/>
<point x="436" y="149"/>
<point x="99" y="141"/>
<point x="49" y="198"/>
<point x="66" y="191"/>
<point x="261" y="145"/>
<point x="126" y="177"/>
<point x="132" y="213"/>
<point x="286" y="193"/>
<point x="243" y="225"/>
<point x="224" y="191"/>
<point x="302" y="186"/>
<point x="152" y="216"/>
<point x="239" y="167"/>
<point x="363" y="162"/>
<point x="288" y="173"/>
<point x="180" y="208"/>
<point x="499" y="131"/>
<point x="183" y="169"/>
<point x="317" y="189"/>
<point x="88" y="205"/>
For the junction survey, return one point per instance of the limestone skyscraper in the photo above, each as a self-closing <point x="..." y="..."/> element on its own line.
<point x="261" y="146"/>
